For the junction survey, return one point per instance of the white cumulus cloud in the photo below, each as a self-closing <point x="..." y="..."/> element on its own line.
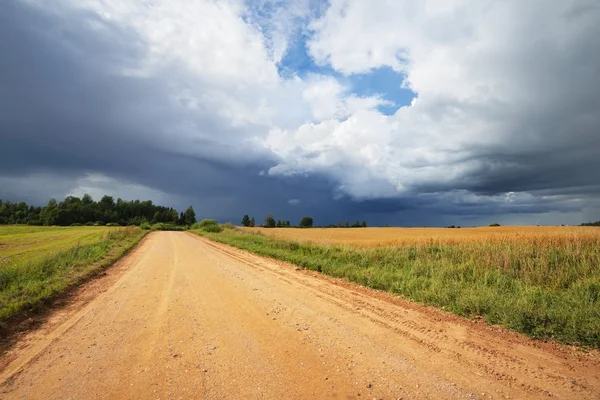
<point x="500" y="86"/>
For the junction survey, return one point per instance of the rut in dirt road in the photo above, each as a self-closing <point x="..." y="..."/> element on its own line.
<point x="193" y="319"/>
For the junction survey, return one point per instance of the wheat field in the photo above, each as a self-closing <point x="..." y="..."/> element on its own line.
<point x="367" y="237"/>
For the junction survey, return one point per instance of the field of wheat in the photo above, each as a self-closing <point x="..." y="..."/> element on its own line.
<point x="367" y="237"/>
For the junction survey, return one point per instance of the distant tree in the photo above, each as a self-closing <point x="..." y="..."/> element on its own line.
<point x="86" y="211"/>
<point x="270" y="221"/>
<point x="287" y="224"/>
<point x="597" y="223"/>
<point x="107" y="202"/>
<point x="246" y="220"/>
<point x="87" y="199"/>
<point x="346" y="224"/>
<point x="48" y="214"/>
<point x="279" y="223"/>
<point x="189" y="216"/>
<point x="495" y="224"/>
<point x="356" y="224"/>
<point x="306" y="222"/>
<point x="339" y="225"/>
<point x="252" y="222"/>
<point x="364" y="224"/>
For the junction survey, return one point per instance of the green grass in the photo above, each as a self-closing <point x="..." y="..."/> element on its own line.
<point x="38" y="263"/>
<point x="546" y="288"/>
<point x="21" y="242"/>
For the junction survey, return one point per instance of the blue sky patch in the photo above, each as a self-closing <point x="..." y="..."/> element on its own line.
<point x="297" y="61"/>
<point x="384" y="82"/>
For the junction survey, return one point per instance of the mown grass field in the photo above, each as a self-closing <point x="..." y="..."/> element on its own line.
<point x="541" y="281"/>
<point x="38" y="263"/>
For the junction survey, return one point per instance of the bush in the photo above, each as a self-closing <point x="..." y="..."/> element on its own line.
<point x="75" y="224"/>
<point x="89" y="223"/>
<point x="495" y="224"/>
<point x="145" y="226"/>
<point x="112" y="224"/>
<point x="161" y="226"/>
<point x="212" y="228"/>
<point x="206" y="222"/>
<point x="211" y="225"/>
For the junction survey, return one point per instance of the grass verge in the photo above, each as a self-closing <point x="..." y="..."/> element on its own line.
<point x="28" y="283"/>
<point x="547" y="288"/>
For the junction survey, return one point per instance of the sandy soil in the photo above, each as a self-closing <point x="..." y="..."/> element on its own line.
<point x="184" y="318"/>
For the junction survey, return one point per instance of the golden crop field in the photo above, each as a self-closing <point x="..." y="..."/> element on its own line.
<point x="406" y="236"/>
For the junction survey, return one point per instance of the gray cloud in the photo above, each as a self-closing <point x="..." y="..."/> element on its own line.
<point x="76" y="102"/>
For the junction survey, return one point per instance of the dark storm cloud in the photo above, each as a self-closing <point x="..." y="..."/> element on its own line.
<point x="553" y="131"/>
<point x="65" y="112"/>
<point x="67" y="109"/>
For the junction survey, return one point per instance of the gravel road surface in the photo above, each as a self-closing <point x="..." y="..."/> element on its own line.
<point x="185" y="318"/>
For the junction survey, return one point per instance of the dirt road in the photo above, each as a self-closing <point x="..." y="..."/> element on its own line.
<point x="190" y="319"/>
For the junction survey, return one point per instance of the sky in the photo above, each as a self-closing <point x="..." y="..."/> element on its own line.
<point x="409" y="113"/>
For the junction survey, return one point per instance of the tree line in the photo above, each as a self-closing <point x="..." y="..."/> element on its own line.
<point x="85" y="211"/>
<point x="597" y="223"/>
<point x="305" y="222"/>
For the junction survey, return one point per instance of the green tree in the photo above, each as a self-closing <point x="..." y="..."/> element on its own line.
<point x="270" y="221"/>
<point x="306" y="222"/>
<point x="87" y="199"/>
<point x="252" y="222"/>
<point x="364" y="224"/>
<point x="48" y="214"/>
<point x="189" y="216"/>
<point x="246" y="220"/>
<point x="107" y="202"/>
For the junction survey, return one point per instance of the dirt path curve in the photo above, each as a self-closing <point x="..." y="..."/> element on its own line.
<point x="192" y="319"/>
